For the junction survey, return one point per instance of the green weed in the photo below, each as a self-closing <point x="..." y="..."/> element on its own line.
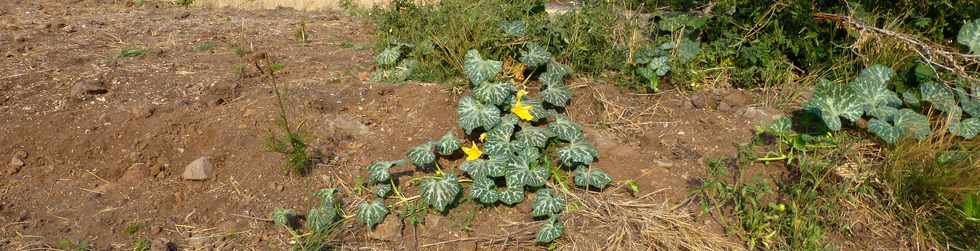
<point x="183" y="3"/>
<point x="133" y="228"/>
<point x="131" y="52"/>
<point x="204" y="46"/>
<point x="65" y="244"/>
<point x="142" y="245"/>
<point x="289" y="142"/>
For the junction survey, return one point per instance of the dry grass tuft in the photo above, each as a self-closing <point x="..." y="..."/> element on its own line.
<point x="304" y="5"/>
<point x="611" y="221"/>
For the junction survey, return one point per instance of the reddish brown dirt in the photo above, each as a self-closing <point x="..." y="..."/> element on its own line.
<point x="98" y="163"/>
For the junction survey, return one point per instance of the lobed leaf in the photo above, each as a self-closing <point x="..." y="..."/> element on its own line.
<point x="535" y="55"/>
<point x="687" y="50"/>
<point x="378" y="171"/>
<point x="591" y="176"/>
<point x="534" y="136"/>
<point x="514" y="28"/>
<point x="658" y="66"/>
<point x="512" y="195"/>
<point x="494" y="93"/>
<point x="832" y="101"/>
<point x="447" y="144"/>
<point x="550" y="231"/>
<point x="482" y="168"/>
<point x="473" y="114"/>
<point x="388" y="56"/>
<point x="577" y="152"/>
<point x="478" y="70"/>
<point x="546" y="203"/>
<point x="519" y="174"/>
<point x="381" y="190"/>
<point x="372" y="212"/>
<point x="871" y="89"/>
<point x="319" y="220"/>
<point x="439" y="192"/>
<point x="282" y="216"/>
<point x="484" y="191"/>
<point x="556" y="94"/>
<point x="555" y="73"/>
<point x="939" y="96"/>
<point x="970" y="104"/>
<point x="969" y="35"/>
<point x="905" y="123"/>
<point x="967" y="128"/>
<point x="422" y="155"/>
<point x="565" y="129"/>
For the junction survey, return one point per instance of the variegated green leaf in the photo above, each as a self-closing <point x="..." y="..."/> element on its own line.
<point x="555" y="73"/>
<point x="970" y="102"/>
<point x="658" y="66"/>
<point x="282" y="216"/>
<point x="478" y="70"/>
<point x="534" y="136"/>
<point x="577" y="152"/>
<point x="939" y="96"/>
<point x="527" y="153"/>
<point x="556" y="94"/>
<point x="440" y="192"/>
<point x="550" y="231"/>
<point x="967" y="128"/>
<point x="911" y="97"/>
<point x="372" y="212"/>
<point x="447" y="144"/>
<point x="520" y="174"/>
<point x="565" y="129"/>
<point x="388" y="56"/>
<point x="381" y="190"/>
<point x="326" y="196"/>
<point x="513" y="28"/>
<point x="591" y="176"/>
<point x="494" y="93"/>
<point x="320" y="220"/>
<point x="535" y="55"/>
<point x="871" y="89"/>
<point x="512" y="195"/>
<point x="546" y="203"/>
<point x="378" y="171"/>
<point x="781" y="126"/>
<point x="904" y="123"/>
<point x="970" y="36"/>
<point x="474" y="114"/>
<point x="496" y="146"/>
<point x="687" y="50"/>
<point x="537" y="109"/>
<point x="832" y="102"/>
<point x="481" y="168"/>
<point x="484" y="191"/>
<point x="422" y="155"/>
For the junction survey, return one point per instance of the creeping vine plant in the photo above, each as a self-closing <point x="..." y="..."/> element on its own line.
<point x="520" y="143"/>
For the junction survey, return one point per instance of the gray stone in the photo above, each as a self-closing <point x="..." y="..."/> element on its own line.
<point x="388" y="230"/>
<point x="758" y="116"/>
<point x="200" y="169"/>
<point x="88" y="87"/>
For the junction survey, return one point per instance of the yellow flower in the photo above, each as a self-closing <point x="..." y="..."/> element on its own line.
<point x="483" y="137"/>
<point x="473" y="152"/>
<point x="521" y="110"/>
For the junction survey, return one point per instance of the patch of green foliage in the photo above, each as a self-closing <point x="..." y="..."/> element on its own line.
<point x="65" y="244"/>
<point x="290" y="143"/>
<point x="204" y="46"/>
<point x="131" y="52"/>
<point x="522" y="144"/>
<point x="320" y="222"/>
<point x="183" y="3"/>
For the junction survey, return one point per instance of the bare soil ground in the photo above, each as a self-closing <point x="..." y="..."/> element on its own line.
<point x="100" y="160"/>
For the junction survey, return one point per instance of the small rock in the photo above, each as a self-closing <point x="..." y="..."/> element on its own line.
<point x="200" y="169"/>
<point x="90" y="87"/>
<point x="663" y="163"/>
<point x="388" y="230"/>
<point x="760" y="116"/>
<point x="183" y="15"/>
<point x="143" y="111"/>
<point x="704" y="100"/>
<point x="134" y="173"/>
<point x="736" y="99"/>
<point x="155" y="230"/>
<point x="16" y="162"/>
